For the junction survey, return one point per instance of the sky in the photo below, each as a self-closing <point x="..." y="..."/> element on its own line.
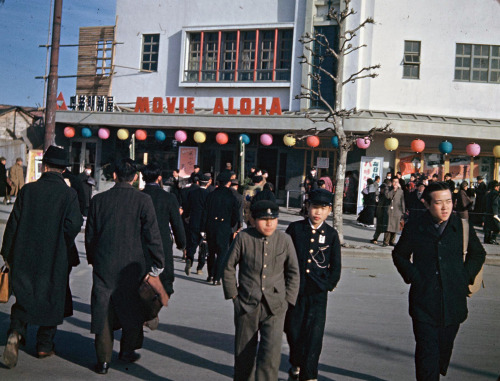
<point x="24" y="25"/>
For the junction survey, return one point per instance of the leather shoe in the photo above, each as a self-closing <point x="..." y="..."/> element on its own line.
<point x="43" y="355"/>
<point x="187" y="269"/>
<point x="129" y="356"/>
<point x="11" y="351"/>
<point x="209" y="279"/>
<point x="101" y="367"/>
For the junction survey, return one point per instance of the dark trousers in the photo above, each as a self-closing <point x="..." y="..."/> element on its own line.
<point x="304" y="327"/>
<point x="434" y="345"/>
<point x="389" y="238"/>
<point x="44" y="336"/>
<point x="263" y="363"/>
<point x="130" y="341"/>
<point x="217" y="256"/>
<point x="194" y="239"/>
<point x="379" y="229"/>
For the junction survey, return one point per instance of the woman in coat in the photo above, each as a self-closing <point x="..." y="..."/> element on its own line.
<point x="463" y="202"/>
<point x="367" y="215"/>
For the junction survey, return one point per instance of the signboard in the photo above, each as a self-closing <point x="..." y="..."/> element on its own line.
<point x="323" y="162"/>
<point x="369" y="168"/>
<point x="34" y="165"/>
<point x="188" y="157"/>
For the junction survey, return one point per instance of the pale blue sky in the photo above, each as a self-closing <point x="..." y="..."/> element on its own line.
<point x="24" y="26"/>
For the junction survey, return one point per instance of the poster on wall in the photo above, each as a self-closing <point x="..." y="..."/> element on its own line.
<point x="188" y="157"/>
<point x="34" y="170"/>
<point x="368" y="169"/>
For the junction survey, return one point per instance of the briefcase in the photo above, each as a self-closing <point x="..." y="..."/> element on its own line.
<point x="4" y="284"/>
<point x="153" y="296"/>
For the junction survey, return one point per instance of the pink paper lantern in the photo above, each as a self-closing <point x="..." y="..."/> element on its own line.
<point x="418" y="145"/>
<point x="363" y="143"/>
<point x="180" y="136"/>
<point x="141" y="135"/>
<point x="69" y="132"/>
<point x="266" y="139"/>
<point x="103" y="133"/>
<point x="473" y="149"/>
<point x="221" y="138"/>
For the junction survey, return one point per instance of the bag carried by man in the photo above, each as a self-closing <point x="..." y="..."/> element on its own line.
<point x="478" y="281"/>
<point x="153" y="296"/>
<point x="5" y="290"/>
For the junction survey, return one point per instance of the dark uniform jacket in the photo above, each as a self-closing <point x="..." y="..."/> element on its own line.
<point x="415" y="206"/>
<point x="118" y="221"/>
<point x="267" y="268"/>
<point x="167" y="214"/>
<point x="195" y="208"/>
<point x="221" y="215"/>
<point x="492" y="208"/>
<point x="39" y="234"/>
<point x="438" y="275"/>
<point x="318" y="252"/>
<point x="240" y="200"/>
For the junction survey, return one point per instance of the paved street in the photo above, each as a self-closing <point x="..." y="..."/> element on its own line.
<point x="368" y="331"/>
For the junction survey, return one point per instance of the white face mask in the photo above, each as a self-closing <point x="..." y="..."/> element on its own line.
<point x="88" y="172"/>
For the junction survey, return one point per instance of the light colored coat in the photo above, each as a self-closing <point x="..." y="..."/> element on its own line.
<point x="396" y="209"/>
<point x="16" y="175"/>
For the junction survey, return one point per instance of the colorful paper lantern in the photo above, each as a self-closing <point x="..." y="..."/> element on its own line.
<point x="289" y="140"/>
<point x="103" y="133"/>
<point x="221" y="138"/>
<point x="86" y="132"/>
<point x="141" y="135"/>
<point x="473" y="149"/>
<point x="180" y="136"/>
<point x="122" y="134"/>
<point x="199" y="137"/>
<point x="160" y="136"/>
<point x="69" y="132"/>
<point x="496" y="151"/>
<point x="391" y="144"/>
<point x="418" y="145"/>
<point x="312" y="141"/>
<point x="445" y="147"/>
<point x="335" y="141"/>
<point x="266" y="139"/>
<point x="363" y="143"/>
<point x="245" y="138"/>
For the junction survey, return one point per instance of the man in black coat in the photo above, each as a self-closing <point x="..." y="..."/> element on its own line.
<point x="168" y="216"/>
<point x="439" y="278"/>
<point x="221" y="215"/>
<point x="121" y="237"/>
<point x="415" y="205"/>
<point x="36" y="246"/>
<point x="318" y="251"/>
<point x="492" y="214"/>
<point x="88" y="182"/>
<point x="241" y="201"/>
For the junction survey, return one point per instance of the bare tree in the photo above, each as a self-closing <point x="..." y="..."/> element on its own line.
<point x="335" y="114"/>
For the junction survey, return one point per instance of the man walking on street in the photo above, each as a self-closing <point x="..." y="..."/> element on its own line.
<point x="429" y="256"/>
<point x="268" y="282"/>
<point x="36" y="246"/>
<point x="121" y="237"/>
<point x="492" y="215"/>
<point x="395" y="211"/>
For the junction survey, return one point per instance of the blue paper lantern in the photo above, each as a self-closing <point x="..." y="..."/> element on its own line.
<point x="86" y="132"/>
<point x="245" y="138"/>
<point x="160" y="136"/>
<point x="445" y="147"/>
<point x="335" y="141"/>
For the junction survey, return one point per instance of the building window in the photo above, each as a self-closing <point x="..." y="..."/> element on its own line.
<point x="150" y="48"/>
<point x="411" y="61"/>
<point x="326" y="61"/>
<point x="104" y="53"/>
<point x="477" y="63"/>
<point x="262" y="55"/>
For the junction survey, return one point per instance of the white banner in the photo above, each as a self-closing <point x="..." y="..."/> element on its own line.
<point x="368" y="169"/>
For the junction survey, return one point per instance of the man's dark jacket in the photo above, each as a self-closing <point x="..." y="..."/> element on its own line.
<point x="221" y="215"/>
<point x="40" y="231"/>
<point x="119" y="220"/>
<point x="438" y="275"/>
<point x="327" y="254"/>
<point x="195" y="207"/>
<point x="167" y="214"/>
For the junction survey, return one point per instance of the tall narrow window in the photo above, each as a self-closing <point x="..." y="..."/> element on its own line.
<point x="326" y="61"/>
<point x="411" y="61"/>
<point x="210" y="56"/>
<point x="104" y="52"/>
<point x="247" y="56"/>
<point x="463" y="56"/>
<point x="150" y="48"/>
<point x="284" y="59"/>
<point x="477" y="63"/>
<point x="194" y="57"/>
<point x="228" y="56"/>
<point x="266" y="55"/>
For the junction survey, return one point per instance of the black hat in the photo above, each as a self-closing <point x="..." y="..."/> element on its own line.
<point x="264" y="209"/>
<point x="235" y="182"/>
<point x="56" y="156"/>
<point x="224" y="177"/>
<point x="321" y="197"/>
<point x="203" y="178"/>
<point x="257" y="179"/>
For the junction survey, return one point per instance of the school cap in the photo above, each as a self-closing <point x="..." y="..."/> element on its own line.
<point x="265" y="209"/>
<point x="321" y="197"/>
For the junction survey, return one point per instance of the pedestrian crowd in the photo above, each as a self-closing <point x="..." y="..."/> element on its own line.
<point x="278" y="281"/>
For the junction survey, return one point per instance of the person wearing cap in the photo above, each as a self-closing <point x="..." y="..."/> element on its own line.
<point x="317" y="246"/>
<point x="37" y="246"/>
<point x="415" y="205"/>
<point x="221" y="214"/>
<point x="268" y="282"/>
<point x="479" y="204"/>
<point x="239" y="197"/>
<point x="195" y="174"/>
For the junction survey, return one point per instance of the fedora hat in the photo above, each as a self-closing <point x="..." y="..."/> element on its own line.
<point x="56" y="156"/>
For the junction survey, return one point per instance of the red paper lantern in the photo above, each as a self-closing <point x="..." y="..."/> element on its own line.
<point x="473" y="149"/>
<point x="221" y="138"/>
<point x="363" y="143"/>
<point x="312" y="141"/>
<point x="141" y="135"/>
<point x="69" y="132"/>
<point x="418" y="145"/>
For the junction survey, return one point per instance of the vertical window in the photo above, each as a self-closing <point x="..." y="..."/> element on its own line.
<point x="194" y="57"/>
<point x="284" y="62"/>
<point x="463" y="56"/>
<point x="228" y="56"/>
<point x="150" y="48"/>
<point x="411" y="61"/>
<point x="495" y="64"/>
<point x="266" y="56"/>
<point x="210" y="56"/>
<point x="104" y="52"/>
<point x="326" y="61"/>
<point x="477" y="63"/>
<point x="247" y="55"/>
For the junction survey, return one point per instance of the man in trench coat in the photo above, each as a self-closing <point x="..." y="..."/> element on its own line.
<point x="36" y="245"/>
<point x="120" y="221"/>
<point x="395" y="211"/>
<point x="429" y="256"/>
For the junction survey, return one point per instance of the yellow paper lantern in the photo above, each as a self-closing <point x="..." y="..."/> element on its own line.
<point x="289" y="140"/>
<point x="122" y="134"/>
<point x="391" y="144"/>
<point x="496" y="151"/>
<point x="200" y="137"/>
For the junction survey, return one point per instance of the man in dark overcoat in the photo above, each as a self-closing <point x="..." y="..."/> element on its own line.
<point x="492" y="214"/>
<point x="416" y="207"/>
<point x="429" y="256"/>
<point x="318" y="251"/>
<point x="120" y="234"/>
<point x="268" y="281"/>
<point x="240" y="199"/>
<point x="395" y="212"/>
<point x="381" y="212"/>
<point x="168" y="216"/>
<point x="36" y="246"/>
<point x="221" y="215"/>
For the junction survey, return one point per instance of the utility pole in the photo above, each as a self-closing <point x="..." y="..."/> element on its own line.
<point x="50" y="107"/>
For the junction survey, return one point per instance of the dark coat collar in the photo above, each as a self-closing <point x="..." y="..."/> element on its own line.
<point x="124" y="185"/>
